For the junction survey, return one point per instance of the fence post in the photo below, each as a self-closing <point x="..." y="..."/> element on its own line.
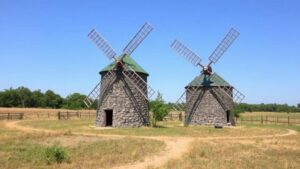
<point x="67" y="115"/>
<point x="288" y="120"/>
<point x="58" y="115"/>
<point x="48" y="115"/>
<point x="261" y="119"/>
<point x="7" y="116"/>
<point x="276" y="119"/>
<point x="89" y="115"/>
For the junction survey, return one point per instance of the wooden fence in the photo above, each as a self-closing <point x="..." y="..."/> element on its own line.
<point x="11" y="116"/>
<point x="289" y="120"/>
<point x="43" y="115"/>
<point x="173" y="116"/>
<point x="71" y="115"/>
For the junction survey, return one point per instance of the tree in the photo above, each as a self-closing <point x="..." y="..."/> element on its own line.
<point x="298" y="105"/>
<point x="159" y="109"/>
<point x="9" y="98"/>
<point x="53" y="100"/>
<point x="25" y="97"/>
<point x="38" y="99"/>
<point x="74" y="101"/>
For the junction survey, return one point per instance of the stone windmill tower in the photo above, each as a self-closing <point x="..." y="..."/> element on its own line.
<point x="122" y="94"/>
<point x="208" y="99"/>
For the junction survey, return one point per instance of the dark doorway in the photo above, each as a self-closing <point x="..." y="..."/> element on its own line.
<point x="109" y="117"/>
<point x="228" y="116"/>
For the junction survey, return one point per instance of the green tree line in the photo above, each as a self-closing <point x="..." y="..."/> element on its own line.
<point x="24" y="97"/>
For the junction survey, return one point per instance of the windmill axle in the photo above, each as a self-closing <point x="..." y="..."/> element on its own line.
<point x="207" y="70"/>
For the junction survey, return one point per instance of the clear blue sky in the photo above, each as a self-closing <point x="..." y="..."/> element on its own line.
<point x="44" y="44"/>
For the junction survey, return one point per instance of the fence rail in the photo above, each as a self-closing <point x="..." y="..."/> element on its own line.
<point x="69" y="115"/>
<point x="48" y="115"/>
<point x="173" y="116"/>
<point x="289" y="120"/>
<point x="11" y="116"/>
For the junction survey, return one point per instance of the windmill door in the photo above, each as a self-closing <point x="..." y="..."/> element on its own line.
<point x="108" y="117"/>
<point x="228" y="116"/>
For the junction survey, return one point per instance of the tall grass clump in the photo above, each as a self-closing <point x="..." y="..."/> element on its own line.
<point x="56" y="154"/>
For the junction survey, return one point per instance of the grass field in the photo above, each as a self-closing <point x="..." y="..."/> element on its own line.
<point x="270" y="118"/>
<point x="244" y="146"/>
<point x="41" y="113"/>
<point x="277" y="153"/>
<point x="172" y="129"/>
<point x="281" y="114"/>
<point x="27" y="150"/>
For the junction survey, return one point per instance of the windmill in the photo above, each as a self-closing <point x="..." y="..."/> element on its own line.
<point x="122" y="94"/>
<point x="208" y="99"/>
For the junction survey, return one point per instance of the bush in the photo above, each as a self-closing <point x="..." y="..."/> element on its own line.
<point x="56" y="154"/>
<point x="159" y="109"/>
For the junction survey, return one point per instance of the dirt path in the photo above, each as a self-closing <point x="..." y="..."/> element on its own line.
<point x="175" y="146"/>
<point x="14" y="125"/>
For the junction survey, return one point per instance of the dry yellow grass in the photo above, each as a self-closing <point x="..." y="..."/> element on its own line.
<point x="41" y="113"/>
<point x="246" y="114"/>
<point x="275" y="153"/>
<point x="247" y="146"/>
<point x="270" y="118"/>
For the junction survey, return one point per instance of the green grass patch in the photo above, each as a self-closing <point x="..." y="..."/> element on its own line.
<point x="56" y="154"/>
<point x="163" y="129"/>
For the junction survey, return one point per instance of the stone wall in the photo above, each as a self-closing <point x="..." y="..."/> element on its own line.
<point x="130" y="108"/>
<point x="208" y="105"/>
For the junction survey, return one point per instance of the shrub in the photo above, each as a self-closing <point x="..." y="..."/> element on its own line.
<point x="159" y="109"/>
<point x="56" y="154"/>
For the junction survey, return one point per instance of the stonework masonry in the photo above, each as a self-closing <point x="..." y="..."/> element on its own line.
<point x="208" y="105"/>
<point x="130" y="108"/>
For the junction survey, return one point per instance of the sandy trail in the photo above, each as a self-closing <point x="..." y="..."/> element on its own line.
<point x="15" y="125"/>
<point x="175" y="146"/>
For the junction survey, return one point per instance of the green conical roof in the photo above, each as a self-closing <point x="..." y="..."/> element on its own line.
<point x="212" y="80"/>
<point x="127" y="61"/>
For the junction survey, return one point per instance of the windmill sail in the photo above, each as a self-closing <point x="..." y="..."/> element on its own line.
<point x="95" y="94"/>
<point x="186" y="52"/>
<point x="224" y="45"/>
<point x="137" y="39"/>
<point x="139" y="83"/>
<point x="230" y="92"/>
<point x="101" y="44"/>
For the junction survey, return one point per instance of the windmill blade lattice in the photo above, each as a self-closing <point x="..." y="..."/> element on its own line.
<point x="231" y="92"/>
<point x="95" y="93"/>
<point x="180" y="103"/>
<point x="186" y="52"/>
<point x="224" y="45"/>
<point x="182" y="100"/>
<point x="218" y="97"/>
<point x="138" y="82"/>
<point x="238" y="97"/>
<point x="102" y="44"/>
<point x="137" y="39"/>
